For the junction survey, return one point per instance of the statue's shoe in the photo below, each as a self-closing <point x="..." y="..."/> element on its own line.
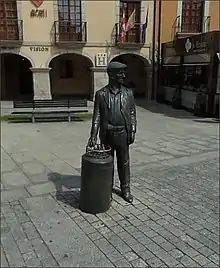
<point x="127" y="196"/>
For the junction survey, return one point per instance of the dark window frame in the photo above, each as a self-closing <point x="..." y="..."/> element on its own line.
<point x="70" y="19"/>
<point x="9" y="28"/>
<point x="128" y="7"/>
<point x="192" y="15"/>
<point x="70" y="9"/>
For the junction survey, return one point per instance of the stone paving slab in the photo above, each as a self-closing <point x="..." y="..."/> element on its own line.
<point x="173" y="222"/>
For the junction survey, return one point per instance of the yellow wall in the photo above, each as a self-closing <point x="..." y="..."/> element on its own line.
<point x="100" y="16"/>
<point x="214" y="13"/>
<point x="169" y="14"/>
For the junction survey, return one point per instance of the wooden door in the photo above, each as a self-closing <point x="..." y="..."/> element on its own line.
<point x="192" y="16"/>
<point x="8" y="20"/>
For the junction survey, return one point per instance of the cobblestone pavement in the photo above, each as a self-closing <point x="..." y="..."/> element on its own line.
<point x="174" y="221"/>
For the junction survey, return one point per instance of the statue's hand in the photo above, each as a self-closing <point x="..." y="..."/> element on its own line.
<point x="92" y="142"/>
<point x="131" y="137"/>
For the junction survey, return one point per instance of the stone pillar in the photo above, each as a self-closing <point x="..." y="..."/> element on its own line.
<point x="100" y="78"/>
<point x="148" y="92"/>
<point x="41" y="80"/>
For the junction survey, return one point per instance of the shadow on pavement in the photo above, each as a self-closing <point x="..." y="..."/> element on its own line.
<point x="207" y="120"/>
<point x="67" y="188"/>
<point x="166" y="110"/>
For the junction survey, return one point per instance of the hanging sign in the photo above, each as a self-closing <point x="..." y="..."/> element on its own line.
<point x="101" y="60"/>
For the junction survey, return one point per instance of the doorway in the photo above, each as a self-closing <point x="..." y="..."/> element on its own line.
<point x="17" y="78"/>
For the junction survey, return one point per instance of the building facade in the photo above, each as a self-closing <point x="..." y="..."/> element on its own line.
<point x="60" y="49"/>
<point x="191" y="73"/>
<point x="188" y="32"/>
<point x="187" y="17"/>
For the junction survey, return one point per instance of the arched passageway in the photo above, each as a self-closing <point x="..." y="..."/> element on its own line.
<point x="136" y="77"/>
<point x="16" y="78"/>
<point x="71" y="77"/>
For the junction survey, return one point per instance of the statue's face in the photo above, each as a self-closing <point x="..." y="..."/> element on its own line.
<point x="117" y="76"/>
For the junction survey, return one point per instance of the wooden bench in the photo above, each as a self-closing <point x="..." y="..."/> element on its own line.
<point x="50" y="107"/>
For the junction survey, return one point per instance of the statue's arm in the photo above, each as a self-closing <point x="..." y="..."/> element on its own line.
<point x="133" y="113"/>
<point x="96" y="116"/>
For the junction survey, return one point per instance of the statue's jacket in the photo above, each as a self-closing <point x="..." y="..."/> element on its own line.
<point x="102" y="106"/>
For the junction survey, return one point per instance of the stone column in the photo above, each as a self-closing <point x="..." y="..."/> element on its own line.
<point x="148" y="92"/>
<point x="41" y="80"/>
<point x="100" y="78"/>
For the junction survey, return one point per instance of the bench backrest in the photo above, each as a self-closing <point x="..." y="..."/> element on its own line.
<point x="23" y="104"/>
<point x="78" y="103"/>
<point x="50" y="103"/>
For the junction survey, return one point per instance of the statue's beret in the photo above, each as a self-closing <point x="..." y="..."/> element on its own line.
<point x="115" y="65"/>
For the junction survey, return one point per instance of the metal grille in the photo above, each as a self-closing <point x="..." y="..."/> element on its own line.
<point x="70" y="15"/>
<point x="192" y="16"/>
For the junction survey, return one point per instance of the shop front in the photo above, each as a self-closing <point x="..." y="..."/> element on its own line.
<point x="191" y="73"/>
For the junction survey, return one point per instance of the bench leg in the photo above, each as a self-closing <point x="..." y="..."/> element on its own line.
<point x="33" y="119"/>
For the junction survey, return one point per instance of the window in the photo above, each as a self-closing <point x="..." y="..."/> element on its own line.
<point x="70" y="19"/>
<point x="128" y="7"/>
<point x="171" y="76"/>
<point x="192" y="16"/>
<point x="66" y="69"/>
<point x="8" y="20"/>
<point x="196" y="77"/>
<point x="70" y="11"/>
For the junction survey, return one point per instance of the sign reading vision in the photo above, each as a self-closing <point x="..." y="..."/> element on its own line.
<point x="39" y="49"/>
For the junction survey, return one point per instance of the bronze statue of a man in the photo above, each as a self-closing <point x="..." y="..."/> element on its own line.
<point x="114" y="117"/>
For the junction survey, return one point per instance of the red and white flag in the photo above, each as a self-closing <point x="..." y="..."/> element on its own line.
<point x="131" y="21"/>
<point x="123" y="26"/>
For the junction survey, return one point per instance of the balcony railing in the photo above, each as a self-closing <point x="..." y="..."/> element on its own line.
<point x="11" y="31"/>
<point x="69" y="32"/>
<point x="181" y="29"/>
<point x="134" y="37"/>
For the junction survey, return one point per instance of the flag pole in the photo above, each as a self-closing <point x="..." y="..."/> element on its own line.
<point x="123" y="25"/>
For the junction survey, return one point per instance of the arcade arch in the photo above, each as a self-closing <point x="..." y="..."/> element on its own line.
<point x="16" y="77"/>
<point x="71" y="76"/>
<point x="136" y="77"/>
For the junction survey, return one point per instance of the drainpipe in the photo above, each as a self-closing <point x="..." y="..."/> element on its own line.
<point x="153" y="50"/>
<point x="159" y="48"/>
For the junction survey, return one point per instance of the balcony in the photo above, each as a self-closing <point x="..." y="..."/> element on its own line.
<point x="11" y="32"/>
<point x="70" y="33"/>
<point x="181" y="30"/>
<point x="135" y="38"/>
